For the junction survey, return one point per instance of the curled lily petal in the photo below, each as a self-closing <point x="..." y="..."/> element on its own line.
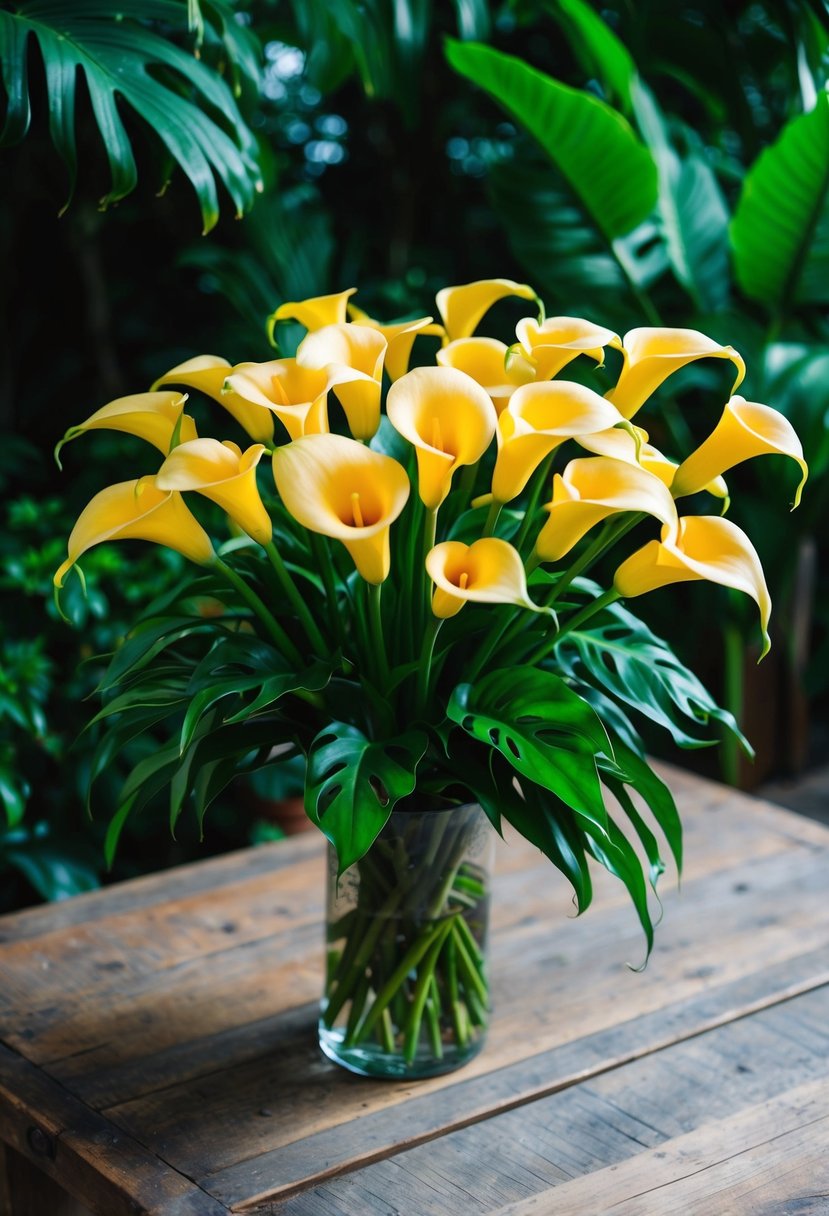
<point x="137" y="510"/>
<point x="555" y="342"/>
<point x="745" y="429"/>
<point x="314" y="312"/>
<point x="590" y="490"/>
<point x="448" y="418"/>
<point x="653" y="354"/>
<point x="352" y="356"/>
<point x="631" y="445"/>
<point x="489" y="571"/>
<point x="489" y="364"/>
<point x="706" y="547"/>
<point x="208" y="373"/>
<point x="296" y="395"/>
<point x="340" y="488"/>
<point x="461" y="308"/>
<point x="400" y="336"/>
<point x="155" y="417"/>
<point x="225" y="475"/>
<point x="538" y="418"/>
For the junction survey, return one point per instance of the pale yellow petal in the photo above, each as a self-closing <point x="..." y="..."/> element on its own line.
<point x="296" y="395"/>
<point x="315" y="312"/>
<point x="152" y="416"/>
<point x="554" y="343"/>
<point x="653" y="354"/>
<point x="352" y="356"/>
<point x="489" y="364"/>
<point x="208" y="374"/>
<point x="400" y="336"/>
<point x="225" y="475"/>
<point x="461" y="308"/>
<point x="489" y="571"/>
<point x="631" y="445"/>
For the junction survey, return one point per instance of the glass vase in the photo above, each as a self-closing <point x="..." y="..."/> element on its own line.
<point x="406" y="989"/>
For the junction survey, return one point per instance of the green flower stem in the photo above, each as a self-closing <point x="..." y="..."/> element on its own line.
<point x="589" y="610"/>
<point x="424" y="671"/>
<point x="539" y="483"/>
<point x="378" y="640"/>
<point x="433" y="1009"/>
<point x="611" y="532"/>
<point x="424" y="982"/>
<point x="430" y="523"/>
<point x="353" y="962"/>
<point x="492" y="518"/>
<point x="256" y="606"/>
<point x="472" y="976"/>
<point x="466" y="486"/>
<point x="458" y="1011"/>
<point x="297" y="602"/>
<point x="322" y="556"/>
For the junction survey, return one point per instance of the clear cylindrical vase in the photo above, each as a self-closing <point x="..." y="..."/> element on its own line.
<point x="406" y="988"/>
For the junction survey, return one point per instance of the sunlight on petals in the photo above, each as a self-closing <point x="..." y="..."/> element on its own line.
<point x="706" y="547"/>
<point x="137" y="510"/>
<point x="315" y="312"/>
<point x="339" y="488"/>
<point x="490" y="364"/>
<point x="225" y="475"/>
<point x="489" y="571"/>
<point x="653" y="354"/>
<point x="557" y="341"/>
<point x="400" y="336"/>
<point x="461" y="308"/>
<point x="208" y="373"/>
<point x="448" y="418"/>
<point x="150" y="416"/>
<point x="352" y="356"/>
<point x="296" y="395"/>
<point x="538" y="418"/>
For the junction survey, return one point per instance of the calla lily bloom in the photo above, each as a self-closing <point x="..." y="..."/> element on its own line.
<point x="208" y="373"/>
<point x="489" y="571"/>
<point x="557" y="341"/>
<point x="150" y="416"/>
<point x="706" y="547"/>
<point x="340" y="488"/>
<point x="313" y="313"/>
<point x="226" y="475"/>
<point x="653" y="354"/>
<point x="591" y="489"/>
<point x="538" y="418"/>
<point x="137" y="510"/>
<point x="448" y="418"/>
<point x="745" y="429"/>
<point x="352" y="356"/>
<point x="461" y="308"/>
<point x="400" y="336"/>
<point x="489" y="364"/>
<point x="632" y="446"/>
<point x="296" y="395"/>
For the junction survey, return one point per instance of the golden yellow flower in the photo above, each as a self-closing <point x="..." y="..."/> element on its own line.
<point x="653" y="354"/>
<point x="296" y="395"/>
<point x="226" y="475"/>
<point x="448" y="418"/>
<point x="150" y="416"/>
<point x="489" y="571"/>
<point x="340" y="488"/>
<point x="461" y="308"/>
<point x="400" y="336"/>
<point x="137" y="510"/>
<point x="538" y="418"/>
<point x="313" y="313"/>
<point x="352" y="357"/>
<point x="208" y="373"/>
<point x="633" y="447"/>
<point x="745" y="429"/>
<point x="554" y="343"/>
<point x="490" y="364"/>
<point x="706" y="547"/>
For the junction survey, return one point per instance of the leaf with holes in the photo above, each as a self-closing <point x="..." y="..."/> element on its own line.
<point x="352" y="784"/>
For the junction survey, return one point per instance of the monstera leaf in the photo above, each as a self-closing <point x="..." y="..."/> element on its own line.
<point x="126" y="62"/>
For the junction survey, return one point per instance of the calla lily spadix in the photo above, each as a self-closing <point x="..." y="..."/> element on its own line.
<point x="313" y="313"/>
<point x="340" y="488"/>
<point x="448" y="418"/>
<point x="538" y="418"/>
<point x="352" y="356"/>
<point x="226" y="475"/>
<point x="706" y="547"/>
<point x="653" y="354"/>
<point x="208" y="373"/>
<point x="745" y="429"/>
<point x="489" y="571"/>
<point x="461" y="308"/>
<point x="400" y="336"/>
<point x="487" y="361"/>
<point x="137" y="510"/>
<point x="589" y="491"/>
<point x="296" y="395"/>
<point x="555" y="342"/>
<point x="150" y="416"/>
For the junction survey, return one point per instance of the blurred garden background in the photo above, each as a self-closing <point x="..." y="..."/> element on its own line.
<point x="170" y="174"/>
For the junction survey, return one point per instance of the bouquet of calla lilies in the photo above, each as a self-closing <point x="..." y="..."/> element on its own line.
<point x="393" y="577"/>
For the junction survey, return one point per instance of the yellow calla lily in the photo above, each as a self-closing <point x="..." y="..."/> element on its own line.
<point x="352" y="356"/>
<point x="633" y="447"/>
<point x="538" y="418"/>
<point x="461" y="308"/>
<point x="557" y="341"/>
<point x="226" y="475"/>
<point x="489" y="571"/>
<point x="706" y="547"/>
<point x="487" y="361"/>
<point x="137" y="510"/>
<point x="448" y="418"/>
<point x="400" y="336"/>
<point x="296" y="395"/>
<point x="653" y="354"/>
<point x="208" y="373"/>
<point x="745" y="429"/>
<point x="313" y="313"/>
<point x="592" y="488"/>
<point x="340" y="488"/>
<point x="150" y="416"/>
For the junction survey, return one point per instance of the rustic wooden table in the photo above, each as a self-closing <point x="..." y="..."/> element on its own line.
<point x="158" y="1050"/>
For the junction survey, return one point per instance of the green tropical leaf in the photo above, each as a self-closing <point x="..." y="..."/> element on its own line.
<point x="597" y="48"/>
<point x="594" y="147"/>
<point x="352" y="784"/>
<point x="52" y="868"/>
<point x="780" y="231"/>
<point x="622" y="860"/>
